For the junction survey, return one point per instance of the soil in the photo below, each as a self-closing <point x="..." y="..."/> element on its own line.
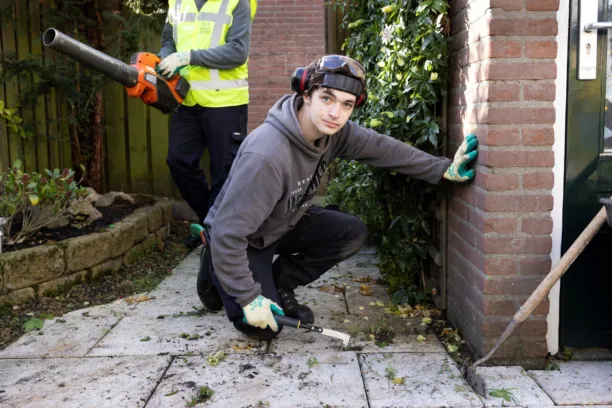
<point x="114" y="213"/>
<point x="139" y="277"/>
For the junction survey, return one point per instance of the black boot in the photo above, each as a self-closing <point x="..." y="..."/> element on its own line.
<point x="292" y="308"/>
<point x="206" y="289"/>
<point x="192" y="242"/>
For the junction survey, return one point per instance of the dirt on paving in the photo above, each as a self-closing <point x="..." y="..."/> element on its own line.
<point x="142" y="276"/>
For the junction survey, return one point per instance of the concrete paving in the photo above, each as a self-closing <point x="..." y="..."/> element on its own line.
<point x="162" y="349"/>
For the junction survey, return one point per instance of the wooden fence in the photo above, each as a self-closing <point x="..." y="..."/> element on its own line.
<point x="137" y="137"/>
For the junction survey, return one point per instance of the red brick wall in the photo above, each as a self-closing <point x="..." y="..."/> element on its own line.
<point x="286" y="34"/>
<point x="502" y="89"/>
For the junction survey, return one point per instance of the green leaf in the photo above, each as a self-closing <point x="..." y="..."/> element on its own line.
<point x="33" y="324"/>
<point x="312" y="361"/>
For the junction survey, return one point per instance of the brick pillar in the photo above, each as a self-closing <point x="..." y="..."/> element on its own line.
<point x="286" y="34"/>
<point x="499" y="243"/>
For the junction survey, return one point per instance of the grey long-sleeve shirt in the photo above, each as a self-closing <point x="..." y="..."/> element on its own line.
<point x="230" y="55"/>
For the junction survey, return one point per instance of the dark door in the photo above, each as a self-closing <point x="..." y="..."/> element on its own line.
<point x="586" y="288"/>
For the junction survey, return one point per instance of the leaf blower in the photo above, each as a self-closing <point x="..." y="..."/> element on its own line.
<point x="139" y="78"/>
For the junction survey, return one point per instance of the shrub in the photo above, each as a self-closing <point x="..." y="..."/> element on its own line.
<point x="404" y="48"/>
<point x="38" y="199"/>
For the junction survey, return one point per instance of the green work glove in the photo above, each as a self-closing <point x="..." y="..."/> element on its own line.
<point x="173" y="63"/>
<point x="197" y="230"/>
<point x="258" y="313"/>
<point x="467" y="152"/>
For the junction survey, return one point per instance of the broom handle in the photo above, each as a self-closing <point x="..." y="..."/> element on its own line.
<point x="559" y="269"/>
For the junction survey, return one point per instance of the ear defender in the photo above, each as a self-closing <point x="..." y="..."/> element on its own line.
<point x="299" y="80"/>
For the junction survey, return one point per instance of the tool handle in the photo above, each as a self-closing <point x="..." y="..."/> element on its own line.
<point x="290" y="321"/>
<point x="561" y="267"/>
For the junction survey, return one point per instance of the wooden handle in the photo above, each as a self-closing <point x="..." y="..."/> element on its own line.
<point x="561" y="267"/>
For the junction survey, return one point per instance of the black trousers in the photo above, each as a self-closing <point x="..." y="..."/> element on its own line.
<point x="193" y="129"/>
<point x="321" y="239"/>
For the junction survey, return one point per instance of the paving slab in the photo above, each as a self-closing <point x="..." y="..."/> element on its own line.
<point x="264" y="381"/>
<point x="80" y="382"/>
<point x="347" y="275"/>
<point x="372" y="306"/>
<point x="66" y="336"/>
<point x="324" y="305"/>
<point x="190" y="265"/>
<point x="169" y="302"/>
<point x="524" y="391"/>
<point x="118" y="308"/>
<point x="360" y="260"/>
<point x="429" y="380"/>
<point x="300" y="341"/>
<point x="578" y="382"/>
<point x="137" y="335"/>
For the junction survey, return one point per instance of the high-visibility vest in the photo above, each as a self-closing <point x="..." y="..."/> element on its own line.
<point x="203" y="29"/>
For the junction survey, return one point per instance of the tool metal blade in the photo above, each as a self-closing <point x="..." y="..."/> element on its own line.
<point x="338" y="335"/>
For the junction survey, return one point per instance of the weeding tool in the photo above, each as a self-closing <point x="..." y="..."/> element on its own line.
<point x="477" y="381"/>
<point x="289" y="321"/>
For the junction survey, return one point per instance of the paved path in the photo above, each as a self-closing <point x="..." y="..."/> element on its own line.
<point x="156" y="353"/>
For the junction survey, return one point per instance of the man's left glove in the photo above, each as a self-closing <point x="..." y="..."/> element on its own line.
<point x="172" y="64"/>
<point x="467" y="152"/>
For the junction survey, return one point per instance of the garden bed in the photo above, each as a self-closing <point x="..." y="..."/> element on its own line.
<point x="31" y="272"/>
<point x="110" y="215"/>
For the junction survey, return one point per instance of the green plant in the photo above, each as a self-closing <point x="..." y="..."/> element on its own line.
<point x="13" y="121"/>
<point x="38" y="199"/>
<point x="204" y="394"/>
<point x="504" y="393"/>
<point x="404" y="48"/>
<point x="116" y="28"/>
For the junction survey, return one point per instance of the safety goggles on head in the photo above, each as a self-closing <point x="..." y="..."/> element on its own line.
<point x="339" y="63"/>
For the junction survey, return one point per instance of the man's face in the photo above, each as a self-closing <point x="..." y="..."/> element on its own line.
<point x="329" y="109"/>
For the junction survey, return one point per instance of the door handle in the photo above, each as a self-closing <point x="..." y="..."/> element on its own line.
<point x="599" y="25"/>
<point x="587" y="38"/>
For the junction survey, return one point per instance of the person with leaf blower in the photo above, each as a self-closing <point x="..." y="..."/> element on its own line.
<point x="207" y="42"/>
<point x="265" y="208"/>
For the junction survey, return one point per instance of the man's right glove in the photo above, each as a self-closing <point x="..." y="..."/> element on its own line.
<point x="258" y="313"/>
<point x="467" y="152"/>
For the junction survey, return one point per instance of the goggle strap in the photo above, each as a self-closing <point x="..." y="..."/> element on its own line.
<point x="343" y="83"/>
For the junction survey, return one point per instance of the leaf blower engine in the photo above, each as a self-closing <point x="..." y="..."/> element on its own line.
<point x="139" y="78"/>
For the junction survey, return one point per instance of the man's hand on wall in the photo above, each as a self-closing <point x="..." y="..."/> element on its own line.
<point x="467" y="152"/>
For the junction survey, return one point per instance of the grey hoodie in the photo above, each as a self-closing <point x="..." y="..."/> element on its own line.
<point x="274" y="178"/>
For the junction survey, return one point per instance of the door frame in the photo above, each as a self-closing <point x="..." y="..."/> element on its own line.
<point x="560" y="131"/>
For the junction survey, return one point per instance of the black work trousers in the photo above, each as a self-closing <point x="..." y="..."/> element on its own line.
<point x="321" y="239"/>
<point x="193" y="129"/>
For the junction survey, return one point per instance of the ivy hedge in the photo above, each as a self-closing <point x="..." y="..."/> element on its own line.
<point x="404" y="47"/>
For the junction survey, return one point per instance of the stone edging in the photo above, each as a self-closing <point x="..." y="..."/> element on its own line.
<point x="30" y="272"/>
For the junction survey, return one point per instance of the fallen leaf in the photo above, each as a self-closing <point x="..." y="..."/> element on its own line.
<point x="452" y="348"/>
<point x="142" y="298"/>
<point x="215" y="358"/>
<point x="365" y="290"/>
<point x="379" y="303"/>
<point x="398" y="380"/>
<point x="426" y="320"/>
<point x="238" y="347"/>
<point x="146" y="339"/>
<point x="372" y="304"/>
<point x="361" y="308"/>
<point x="421" y="338"/>
<point x="333" y="288"/>
<point x="363" y="279"/>
<point x="312" y="361"/>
